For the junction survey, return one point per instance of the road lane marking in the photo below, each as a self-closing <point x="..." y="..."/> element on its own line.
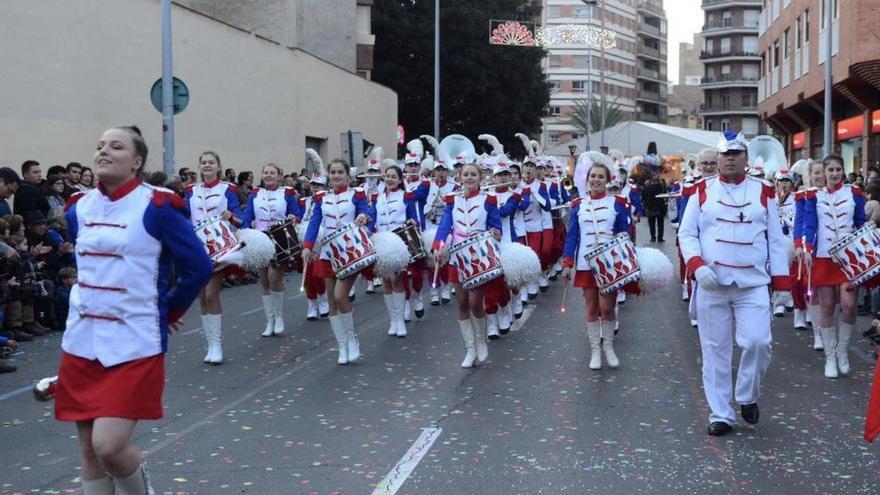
<point x="16" y="392"/>
<point x="527" y="311"/>
<point x="395" y="478"/>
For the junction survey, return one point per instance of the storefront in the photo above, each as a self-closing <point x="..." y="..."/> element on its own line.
<point x="797" y="146"/>
<point x="849" y="138"/>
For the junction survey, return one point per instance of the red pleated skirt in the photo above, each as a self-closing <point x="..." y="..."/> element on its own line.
<point x="86" y="390"/>
<point x="585" y="279"/>
<point x="826" y="273"/>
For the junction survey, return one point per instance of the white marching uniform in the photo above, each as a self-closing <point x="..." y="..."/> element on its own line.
<point x="734" y="229"/>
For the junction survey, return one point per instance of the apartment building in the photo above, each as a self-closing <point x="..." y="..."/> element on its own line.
<point x="791" y="91"/>
<point x="732" y="66"/>
<point x="687" y="96"/>
<point x="632" y="74"/>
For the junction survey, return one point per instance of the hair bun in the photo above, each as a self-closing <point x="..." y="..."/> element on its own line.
<point x="135" y="129"/>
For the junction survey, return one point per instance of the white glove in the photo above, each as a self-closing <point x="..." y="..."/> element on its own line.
<point x="706" y="278"/>
<point x="782" y="297"/>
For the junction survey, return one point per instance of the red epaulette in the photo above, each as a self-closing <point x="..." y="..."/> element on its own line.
<point x="232" y="187"/>
<point x="359" y="193"/>
<point x="190" y="187"/>
<point x="857" y="191"/>
<point x="255" y="190"/>
<point x="767" y="192"/>
<point x="163" y="197"/>
<point x="318" y="196"/>
<point x="73" y="199"/>
<point x="426" y="182"/>
<point x="622" y="200"/>
<point x="575" y="202"/>
<point x="408" y="195"/>
<point x="449" y="199"/>
<point x="289" y="191"/>
<point x="492" y="199"/>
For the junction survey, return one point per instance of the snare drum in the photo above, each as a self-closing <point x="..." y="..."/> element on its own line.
<point x="858" y="254"/>
<point x="350" y="250"/>
<point x="477" y="260"/>
<point x="218" y="236"/>
<point x="614" y="264"/>
<point x="412" y="237"/>
<point x="288" y="247"/>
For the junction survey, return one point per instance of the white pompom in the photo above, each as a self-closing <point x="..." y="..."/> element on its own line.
<point x="656" y="270"/>
<point x="428" y="243"/>
<point x="258" y="250"/>
<point x="392" y="255"/>
<point x="520" y="264"/>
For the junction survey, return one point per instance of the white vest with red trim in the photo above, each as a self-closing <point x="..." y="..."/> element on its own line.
<point x="443" y="190"/>
<point x="835" y="211"/>
<point x="533" y="217"/>
<point x="206" y="202"/>
<point x="337" y="210"/>
<point x="390" y="210"/>
<point x="269" y="207"/>
<point x="596" y="223"/>
<point x="468" y="215"/>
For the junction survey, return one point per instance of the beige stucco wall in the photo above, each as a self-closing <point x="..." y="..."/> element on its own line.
<point x="71" y="69"/>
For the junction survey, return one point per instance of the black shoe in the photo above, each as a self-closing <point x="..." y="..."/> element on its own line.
<point x="435" y="303"/>
<point x="32" y="329"/>
<point x="543" y="289"/>
<point x="311" y="318"/>
<point x="23" y="336"/>
<point x="554" y="277"/>
<point x="420" y="313"/>
<point x="493" y="337"/>
<point x="532" y="296"/>
<point x="504" y="331"/>
<point x="517" y="316"/>
<point x="444" y="300"/>
<point x="324" y="316"/>
<point x="661" y="240"/>
<point x="6" y="367"/>
<point x="653" y="240"/>
<point x="352" y="297"/>
<point x="719" y="428"/>
<point x="750" y="413"/>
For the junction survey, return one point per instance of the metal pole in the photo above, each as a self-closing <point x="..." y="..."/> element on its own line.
<point x="589" y="79"/>
<point x="437" y="69"/>
<point x="826" y="148"/>
<point x="602" y="78"/>
<point x="167" y="92"/>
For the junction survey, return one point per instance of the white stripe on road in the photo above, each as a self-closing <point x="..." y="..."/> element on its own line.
<point x="527" y="311"/>
<point x="16" y="392"/>
<point x="395" y="478"/>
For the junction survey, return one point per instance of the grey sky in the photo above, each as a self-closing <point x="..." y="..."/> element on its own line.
<point x="684" y="18"/>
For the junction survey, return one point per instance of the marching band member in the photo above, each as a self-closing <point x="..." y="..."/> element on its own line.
<point x="468" y="212"/>
<point x="267" y="205"/>
<point x="547" y="248"/>
<point x="127" y="235"/>
<point x="393" y="208"/>
<point x="786" y="206"/>
<point x="203" y="200"/>
<point x="440" y="186"/>
<point x="831" y="214"/>
<point x="519" y="232"/>
<point x="499" y="313"/>
<point x="729" y="231"/>
<point x="813" y="179"/>
<point x="373" y="184"/>
<point x="613" y="189"/>
<point x="533" y="215"/>
<point x="707" y="167"/>
<point x="316" y="290"/>
<point x="339" y="206"/>
<point x="414" y="278"/>
<point x="560" y="198"/>
<point x="595" y="218"/>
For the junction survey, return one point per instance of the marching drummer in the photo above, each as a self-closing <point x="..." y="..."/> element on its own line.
<point x="595" y="218"/>
<point x="467" y="213"/>
<point x="414" y="278"/>
<point x="337" y="208"/>
<point x="786" y="206"/>
<point x="394" y="208"/>
<point x="210" y="198"/>
<point x="267" y="206"/>
<point x="831" y="214"/>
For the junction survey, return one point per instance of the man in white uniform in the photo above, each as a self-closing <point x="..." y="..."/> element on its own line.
<point x="729" y="232"/>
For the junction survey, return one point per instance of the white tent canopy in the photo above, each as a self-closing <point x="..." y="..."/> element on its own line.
<point x="632" y="138"/>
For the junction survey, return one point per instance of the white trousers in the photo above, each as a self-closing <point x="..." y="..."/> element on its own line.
<point x="722" y="315"/>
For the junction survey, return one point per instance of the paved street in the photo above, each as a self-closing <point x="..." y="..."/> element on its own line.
<point x="280" y="417"/>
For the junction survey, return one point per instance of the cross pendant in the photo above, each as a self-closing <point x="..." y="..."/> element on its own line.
<point x="742" y="217"/>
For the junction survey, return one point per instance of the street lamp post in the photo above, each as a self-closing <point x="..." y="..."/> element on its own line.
<point x="590" y="4"/>
<point x="167" y="92"/>
<point x="828" y="136"/>
<point x="437" y="69"/>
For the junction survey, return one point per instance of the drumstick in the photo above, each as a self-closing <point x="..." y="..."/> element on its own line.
<point x="302" y="285"/>
<point x="564" y="296"/>
<point x="436" y="273"/>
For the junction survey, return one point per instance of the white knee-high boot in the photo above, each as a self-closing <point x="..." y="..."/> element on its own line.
<point x="608" y="344"/>
<point x="480" y="338"/>
<point x="492" y="326"/>
<point x="813" y="313"/>
<point x="389" y="305"/>
<point x="594" y="334"/>
<point x="829" y="339"/>
<point x="842" y="348"/>
<point x="400" y="303"/>
<point x="354" y="345"/>
<point x="467" y="335"/>
<point x="269" y="310"/>
<point x="323" y="305"/>
<point x="278" y="304"/>
<point x="137" y="483"/>
<point x="212" y="325"/>
<point x="101" y="486"/>
<point x="341" y="338"/>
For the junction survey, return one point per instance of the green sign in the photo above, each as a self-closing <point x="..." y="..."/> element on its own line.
<point x="180" y="95"/>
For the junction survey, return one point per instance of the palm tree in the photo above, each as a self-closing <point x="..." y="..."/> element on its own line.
<point x="613" y="114"/>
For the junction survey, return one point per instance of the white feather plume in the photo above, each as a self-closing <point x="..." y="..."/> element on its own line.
<point x="392" y="255"/>
<point x="416" y="149"/>
<point x="582" y="169"/>
<point x="520" y="264"/>
<point x="616" y="155"/>
<point x="497" y="147"/>
<point x="376" y="154"/>
<point x="539" y="151"/>
<point x="258" y="250"/>
<point x="656" y="270"/>
<point x="527" y="144"/>
<point x="316" y="159"/>
<point x="801" y="167"/>
<point x="631" y="163"/>
<point x="431" y="141"/>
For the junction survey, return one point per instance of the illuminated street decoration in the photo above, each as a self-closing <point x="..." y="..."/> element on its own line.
<point x="512" y="33"/>
<point x="576" y="34"/>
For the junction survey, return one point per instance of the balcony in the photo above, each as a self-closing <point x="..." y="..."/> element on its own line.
<point x="652" y="8"/>
<point x="645" y="28"/>
<point x="723" y="109"/>
<point x="730" y="54"/>
<point x="718" y="4"/>
<point x="647" y="51"/>
<point x="728" y="26"/>
<point x="726" y="81"/>
<point x="652" y="74"/>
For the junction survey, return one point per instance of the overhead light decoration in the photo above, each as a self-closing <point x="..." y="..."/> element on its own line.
<point x="576" y="34"/>
<point x="512" y="33"/>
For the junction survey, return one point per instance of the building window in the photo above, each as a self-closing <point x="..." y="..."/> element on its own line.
<point x="726" y="19"/>
<point x="581" y="12"/>
<point x="725" y="125"/>
<point x="776" y="54"/>
<point x="785" y="44"/>
<point x="554" y="137"/>
<point x="554" y="11"/>
<point x="553" y="111"/>
<point x="579" y="86"/>
<point x="580" y="61"/>
<point x="575" y="135"/>
<point x="555" y="61"/>
<point x="554" y="86"/>
<point x="798" y="35"/>
<point x="709" y="125"/>
<point x="807" y="26"/>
